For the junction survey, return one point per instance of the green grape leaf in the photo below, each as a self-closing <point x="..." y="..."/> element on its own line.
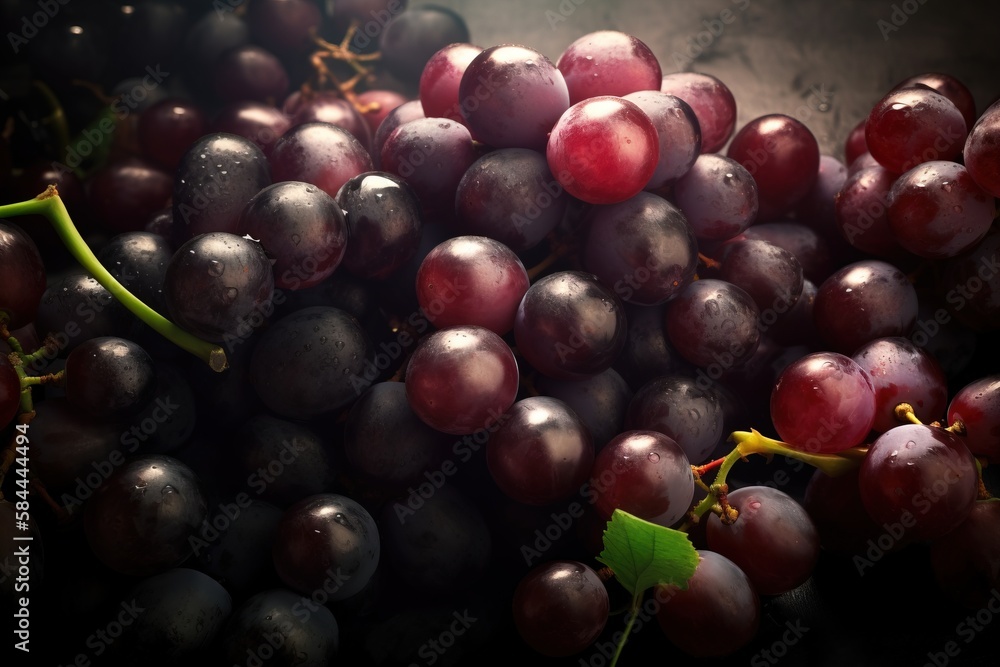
<point x="643" y="554"/>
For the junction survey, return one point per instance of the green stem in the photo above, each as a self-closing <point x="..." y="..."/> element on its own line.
<point x="51" y="206"/>
<point x="633" y="613"/>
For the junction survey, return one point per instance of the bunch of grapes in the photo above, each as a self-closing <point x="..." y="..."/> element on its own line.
<point x="385" y="330"/>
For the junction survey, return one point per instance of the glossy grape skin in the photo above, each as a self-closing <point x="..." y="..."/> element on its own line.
<point x="642" y="248"/>
<point x="329" y="543"/>
<point x="716" y="615"/>
<point x="328" y="107"/>
<point x="260" y="123"/>
<point x="430" y="155"/>
<point x="816" y="209"/>
<point x="977" y="405"/>
<point x="377" y="104"/>
<point x="965" y="560"/>
<point x="677" y="407"/>
<point x="310" y="362"/>
<point x="570" y="326"/>
<point x="823" y="403"/>
<point x="319" y="153"/>
<point x="718" y="197"/>
<point x="302" y="230"/>
<point x="461" y="379"/>
<point x="109" y="377"/>
<point x="782" y="155"/>
<point x="167" y="128"/>
<point x="510" y="195"/>
<point x="678" y="131"/>
<point x="511" y="96"/>
<point x="937" y="210"/>
<point x="903" y="373"/>
<point x="471" y="280"/>
<point x="386" y="442"/>
<point x="211" y="36"/>
<point x="139" y="521"/>
<point x="384" y="222"/>
<point x="862" y="211"/>
<point x="76" y="308"/>
<point x="404" y="113"/>
<point x="712" y="322"/>
<point x="864" y="301"/>
<point x="982" y="150"/>
<point x="441" y="78"/>
<point x="138" y="260"/>
<point x="284" y="26"/>
<point x="208" y="197"/>
<point x="183" y="611"/>
<point x="769" y="274"/>
<point x="311" y="641"/>
<point x="647" y="353"/>
<point x="22" y="275"/>
<point x="644" y="473"/>
<point x="854" y="145"/>
<point x="773" y="540"/>
<point x="250" y="73"/>
<point x="10" y="392"/>
<point x="922" y="477"/>
<point x="712" y="102"/>
<point x="608" y="62"/>
<point x="914" y="125"/>
<point x="809" y="248"/>
<point x="600" y="401"/>
<point x="125" y="192"/>
<point x="219" y="285"/>
<point x="413" y="36"/>
<point x="950" y="87"/>
<point x="560" y="607"/>
<point x="835" y="507"/>
<point x="444" y="546"/>
<point x="603" y="150"/>
<point x="542" y="453"/>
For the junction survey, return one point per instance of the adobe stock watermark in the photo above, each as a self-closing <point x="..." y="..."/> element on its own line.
<point x="565" y="9"/>
<point x="702" y="41"/>
<point x="969" y="628"/>
<point x="958" y="297"/>
<point x="32" y="24"/>
<point x="898" y="17"/>
<point x="102" y="638"/>
<point x="603" y="652"/>
<point x="432" y="650"/>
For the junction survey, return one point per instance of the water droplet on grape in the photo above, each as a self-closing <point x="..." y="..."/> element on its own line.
<point x="216" y="268"/>
<point x="168" y="489"/>
<point x="231" y="294"/>
<point x="653" y="457"/>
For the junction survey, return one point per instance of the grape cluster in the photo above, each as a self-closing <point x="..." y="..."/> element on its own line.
<point x="461" y="307"/>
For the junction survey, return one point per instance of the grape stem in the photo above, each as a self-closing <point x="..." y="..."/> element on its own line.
<point x="633" y="612"/>
<point x="752" y="442"/>
<point x="51" y="206"/>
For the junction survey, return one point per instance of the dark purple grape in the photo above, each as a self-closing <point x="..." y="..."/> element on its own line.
<point x="410" y="38"/>
<point x="327" y="547"/>
<point x="920" y="477"/>
<point x="903" y="373"/>
<point x="769" y="274"/>
<point x="219" y="286"/>
<point x="711" y="101"/>
<point x="139" y="260"/>
<point x="319" y="153"/>
<point x="608" y="62"/>
<point x="284" y="26"/>
<point x="642" y="248"/>
<point x="773" y="540"/>
<point x="404" y="113"/>
<point x="542" y="453"/>
<point x="678" y="130"/>
<point x="125" y="193"/>
<point x="234" y="546"/>
<point x="864" y="301"/>
<point x="511" y="96"/>
<point x="430" y="155"/>
<point x="834" y="504"/>
<point x="76" y="308"/>
<point x="717" y="196"/>
<point x="570" y="326"/>
<point x="376" y="104"/>
<point x="716" y="615"/>
<point x="167" y="128"/>
<point x="250" y="73"/>
<point x="212" y="35"/>
<point x="862" y="211"/>
<point x="677" y="407"/>
<point x="260" y="123"/>
<point x="809" y="248"/>
<point x="310" y="362"/>
<point x="386" y="442"/>
<point x="383" y="221"/>
<point x="471" y="280"/>
<point x="141" y="519"/>
<point x="22" y="276"/>
<point x="977" y="406"/>
<point x="328" y="107"/>
<point x="109" y="377"/>
<point x="817" y="208"/>
<point x="971" y="285"/>
<point x="215" y="180"/>
<point x="560" y="608"/>
<point x="965" y="560"/>
<point x="713" y="323"/>
<point x="510" y="195"/>
<point x="644" y="473"/>
<point x="600" y="401"/>
<point x="647" y="353"/>
<point x="461" y="379"/>
<point x="293" y="630"/>
<point x="302" y="230"/>
<point x="914" y="125"/>
<point x="442" y="546"/>
<point x="441" y="78"/>
<point x="946" y="85"/>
